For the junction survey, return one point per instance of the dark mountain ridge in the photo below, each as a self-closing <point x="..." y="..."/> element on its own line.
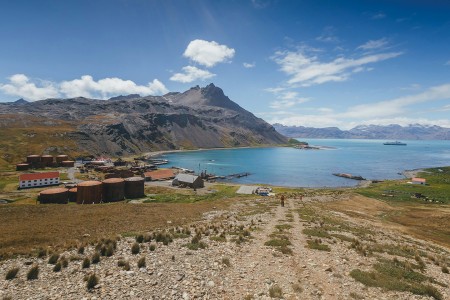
<point x="197" y="118"/>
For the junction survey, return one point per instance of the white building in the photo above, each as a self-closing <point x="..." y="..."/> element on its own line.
<point x="38" y="179"/>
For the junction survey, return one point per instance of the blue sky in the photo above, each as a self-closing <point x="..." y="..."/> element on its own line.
<point x="310" y="63"/>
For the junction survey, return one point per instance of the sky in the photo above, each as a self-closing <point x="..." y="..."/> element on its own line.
<point x="312" y="63"/>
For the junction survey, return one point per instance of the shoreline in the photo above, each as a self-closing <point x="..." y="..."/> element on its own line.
<point x="407" y="173"/>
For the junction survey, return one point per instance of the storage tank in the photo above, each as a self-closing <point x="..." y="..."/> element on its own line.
<point x="33" y="159"/>
<point x="22" y="167"/>
<point x="73" y="195"/>
<point x="61" y="158"/>
<point x="134" y="187"/>
<point x="89" y="192"/>
<point x="67" y="163"/>
<point x="47" y="160"/>
<point x="113" y="189"/>
<point x="56" y="195"/>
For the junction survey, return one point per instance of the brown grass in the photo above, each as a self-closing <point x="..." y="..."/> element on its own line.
<point x="26" y="228"/>
<point x="427" y="223"/>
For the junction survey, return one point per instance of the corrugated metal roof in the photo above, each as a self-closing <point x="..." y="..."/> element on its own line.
<point x="37" y="176"/>
<point x="419" y="179"/>
<point x="160" y="174"/>
<point x="186" y="178"/>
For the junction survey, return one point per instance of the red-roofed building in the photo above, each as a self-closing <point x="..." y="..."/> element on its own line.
<point x="38" y="179"/>
<point x="161" y="174"/>
<point x="417" y="180"/>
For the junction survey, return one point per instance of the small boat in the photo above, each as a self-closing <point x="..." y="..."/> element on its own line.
<point x="396" y="143"/>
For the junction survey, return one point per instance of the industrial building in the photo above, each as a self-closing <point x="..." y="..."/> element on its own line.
<point x="188" y="180"/>
<point x="161" y="174"/>
<point x="38" y="179"/>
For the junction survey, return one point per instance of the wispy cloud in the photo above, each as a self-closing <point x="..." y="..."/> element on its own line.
<point x="260" y="4"/>
<point x="249" y="65"/>
<point x="285" y="98"/>
<point x="378" y="16"/>
<point x="393" y="111"/>
<point x="208" y="53"/>
<point x="190" y="74"/>
<point x="307" y="70"/>
<point x="374" y="44"/>
<point x="328" y="35"/>
<point x="34" y="89"/>
<point x="398" y="105"/>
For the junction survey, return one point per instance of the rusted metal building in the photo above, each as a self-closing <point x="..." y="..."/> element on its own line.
<point x="73" y="194"/>
<point x="22" y="167"/>
<point x="134" y="187"/>
<point x="113" y="189"/>
<point x="89" y="192"/>
<point x="56" y="195"/>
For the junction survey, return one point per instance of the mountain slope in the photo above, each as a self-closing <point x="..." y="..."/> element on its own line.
<point x="197" y="118"/>
<point x="393" y="131"/>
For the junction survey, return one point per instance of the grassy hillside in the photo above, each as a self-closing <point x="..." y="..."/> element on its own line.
<point x="23" y="135"/>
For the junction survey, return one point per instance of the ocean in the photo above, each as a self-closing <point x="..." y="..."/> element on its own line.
<point x="283" y="166"/>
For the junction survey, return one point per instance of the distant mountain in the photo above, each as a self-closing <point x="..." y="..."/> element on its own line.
<point x="197" y="118"/>
<point x="127" y="97"/>
<point x="389" y="132"/>
<point x="19" y="102"/>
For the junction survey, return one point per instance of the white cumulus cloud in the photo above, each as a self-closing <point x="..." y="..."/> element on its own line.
<point x="208" y="53"/>
<point x="190" y="74"/>
<point x="307" y="70"/>
<point x="86" y="86"/>
<point x="22" y="86"/>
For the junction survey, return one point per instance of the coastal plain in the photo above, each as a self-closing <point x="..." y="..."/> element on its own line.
<point x="347" y="243"/>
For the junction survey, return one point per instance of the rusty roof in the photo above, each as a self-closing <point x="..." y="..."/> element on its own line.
<point x="37" y="176"/>
<point x="160" y="174"/>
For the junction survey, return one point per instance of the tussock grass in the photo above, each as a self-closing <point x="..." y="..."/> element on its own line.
<point x="135" y="249"/>
<point x="397" y="276"/>
<point x="57" y="267"/>
<point x="95" y="258"/>
<point x="12" y="273"/>
<point x="275" y="291"/>
<point x="53" y="258"/>
<point x="33" y="273"/>
<point x="226" y="261"/>
<point x="86" y="263"/>
<point x="317" y="232"/>
<point x="141" y="262"/>
<point x="92" y="281"/>
<point x="317" y="244"/>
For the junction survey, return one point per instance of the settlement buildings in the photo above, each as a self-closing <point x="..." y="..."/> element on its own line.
<point x="187" y="180"/>
<point x="38" y="179"/>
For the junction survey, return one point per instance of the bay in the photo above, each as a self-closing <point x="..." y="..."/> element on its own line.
<point x="285" y="166"/>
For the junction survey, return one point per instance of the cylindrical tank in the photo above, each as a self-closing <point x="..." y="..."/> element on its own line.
<point x="32" y="159"/>
<point x="73" y="195"/>
<point x="22" y="167"/>
<point x="47" y="160"/>
<point x="134" y="187"/>
<point x="113" y="189"/>
<point x="61" y="158"/>
<point x="56" y="195"/>
<point x="89" y="192"/>
<point x="68" y="163"/>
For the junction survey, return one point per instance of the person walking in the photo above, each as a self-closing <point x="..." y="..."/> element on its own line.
<point x="282" y="200"/>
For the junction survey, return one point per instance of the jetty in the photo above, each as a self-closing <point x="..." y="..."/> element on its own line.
<point x="349" y="176"/>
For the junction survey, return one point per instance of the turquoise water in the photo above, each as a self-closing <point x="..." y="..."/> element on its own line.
<point x="313" y="168"/>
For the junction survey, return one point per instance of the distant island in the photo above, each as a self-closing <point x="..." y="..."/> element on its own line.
<point x="389" y="132"/>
